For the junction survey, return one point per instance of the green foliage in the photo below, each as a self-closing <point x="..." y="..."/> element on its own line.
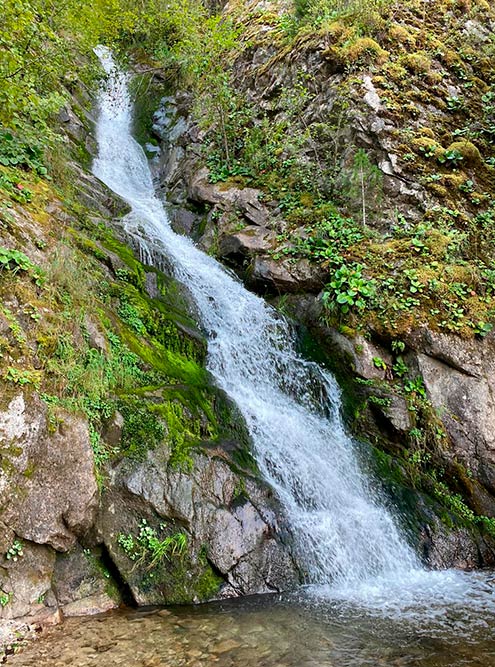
<point x="455" y="503"/>
<point x="450" y="158"/>
<point x="379" y="363"/>
<point x="317" y="12"/>
<point x="128" y="313"/>
<point x="5" y="598"/>
<point x="415" y="387"/>
<point x="349" y="289"/>
<point x="365" y="184"/>
<point x="148" y="549"/>
<point x="324" y="240"/>
<point x="15" y="551"/>
<point x="14" y="260"/>
<point x="142" y="429"/>
<point x="17" y="153"/>
<point x="22" y="377"/>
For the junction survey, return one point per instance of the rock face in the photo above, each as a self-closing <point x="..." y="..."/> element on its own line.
<point x="49" y="492"/>
<point x="229" y="521"/>
<point x="48" y="499"/>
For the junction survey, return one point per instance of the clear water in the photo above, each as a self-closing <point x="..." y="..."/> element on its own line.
<point x="345" y="539"/>
<point x="255" y="632"/>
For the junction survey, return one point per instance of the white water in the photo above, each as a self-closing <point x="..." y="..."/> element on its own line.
<point x="346" y="541"/>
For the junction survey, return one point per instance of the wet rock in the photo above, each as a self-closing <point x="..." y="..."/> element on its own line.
<point x="457" y="548"/>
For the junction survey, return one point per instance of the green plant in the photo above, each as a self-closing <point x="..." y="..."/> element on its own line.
<point x="416" y="387"/>
<point x="482" y="329"/>
<point x="381" y="401"/>
<point x="365" y="182"/>
<point x="14" y="260"/>
<point x="428" y="151"/>
<point x="148" y="548"/>
<point x="349" y="289"/>
<point x="467" y="186"/>
<point x="398" y="346"/>
<point x="454" y="103"/>
<point x="5" y="598"/>
<point x="14" y="152"/>
<point x="379" y="363"/>
<point x="22" y="377"/>
<point x="12" y="185"/>
<point x="128" y="313"/>
<point x="15" y="551"/>
<point x="400" y="367"/>
<point x="450" y="158"/>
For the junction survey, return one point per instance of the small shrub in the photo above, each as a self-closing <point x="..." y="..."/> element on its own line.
<point x="349" y="289"/>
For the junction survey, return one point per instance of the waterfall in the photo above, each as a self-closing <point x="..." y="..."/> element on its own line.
<point x="344" y="536"/>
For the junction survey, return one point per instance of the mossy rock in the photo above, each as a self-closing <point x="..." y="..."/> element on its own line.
<point x="470" y="153"/>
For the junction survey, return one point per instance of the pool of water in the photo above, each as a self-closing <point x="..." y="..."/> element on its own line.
<point x="306" y="630"/>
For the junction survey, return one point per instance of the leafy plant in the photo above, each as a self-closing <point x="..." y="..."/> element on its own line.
<point x="349" y="289"/>
<point x="450" y="158"/>
<point x="16" y="153"/>
<point x="5" y="598"/>
<point x="415" y="386"/>
<point x="14" y="260"/>
<point x="400" y="367"/>
<point x="15" y="551"/>
<point x="379" y="363"/>
<point x="22" y="377"/>
<point x="147" y="547"/>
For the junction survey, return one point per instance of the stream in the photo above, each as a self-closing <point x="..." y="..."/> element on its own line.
<point x="368" y="600"/>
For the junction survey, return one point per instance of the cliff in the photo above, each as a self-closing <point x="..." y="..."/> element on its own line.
<point x="349" y="176"/>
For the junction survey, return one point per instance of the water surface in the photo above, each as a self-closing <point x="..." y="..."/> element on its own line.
<point x="263" y="631"/>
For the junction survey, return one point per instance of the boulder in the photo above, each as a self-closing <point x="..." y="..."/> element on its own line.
<point x="48" y="490"/>
<point x="277" y="276"/>
<point x="458" y="376"/>
<point x="82" y="584"/>
<point x="230" y="522"/>
<point x="249" y="241"/>
<point x="245" y="201"/>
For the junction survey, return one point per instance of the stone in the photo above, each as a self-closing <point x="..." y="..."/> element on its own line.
<point x="96" y="338"/>
<point x="249" y="241"/>
<point x="371" y="97"/>
<point x="444" y="548"/>
<point x="398" y="413"/>
<point x="28" y="579"/>
<point x="362" y="354"/>
<point x="48" y="490"/>
<point x="242" y="542"/>
<point x="271" y="275"/>
<point x="112" y="432"/>
<point x="246" y="201"/>
<point x="81" y="583"/>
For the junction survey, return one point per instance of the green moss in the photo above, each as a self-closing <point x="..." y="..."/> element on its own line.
<point x="142" y="430"/>
<point x="207" y="584"/>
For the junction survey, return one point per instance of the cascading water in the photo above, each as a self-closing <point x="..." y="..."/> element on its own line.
<point x="345" y="538"/>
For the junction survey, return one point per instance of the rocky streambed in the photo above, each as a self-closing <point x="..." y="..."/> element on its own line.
<point x="268" y="631"/>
